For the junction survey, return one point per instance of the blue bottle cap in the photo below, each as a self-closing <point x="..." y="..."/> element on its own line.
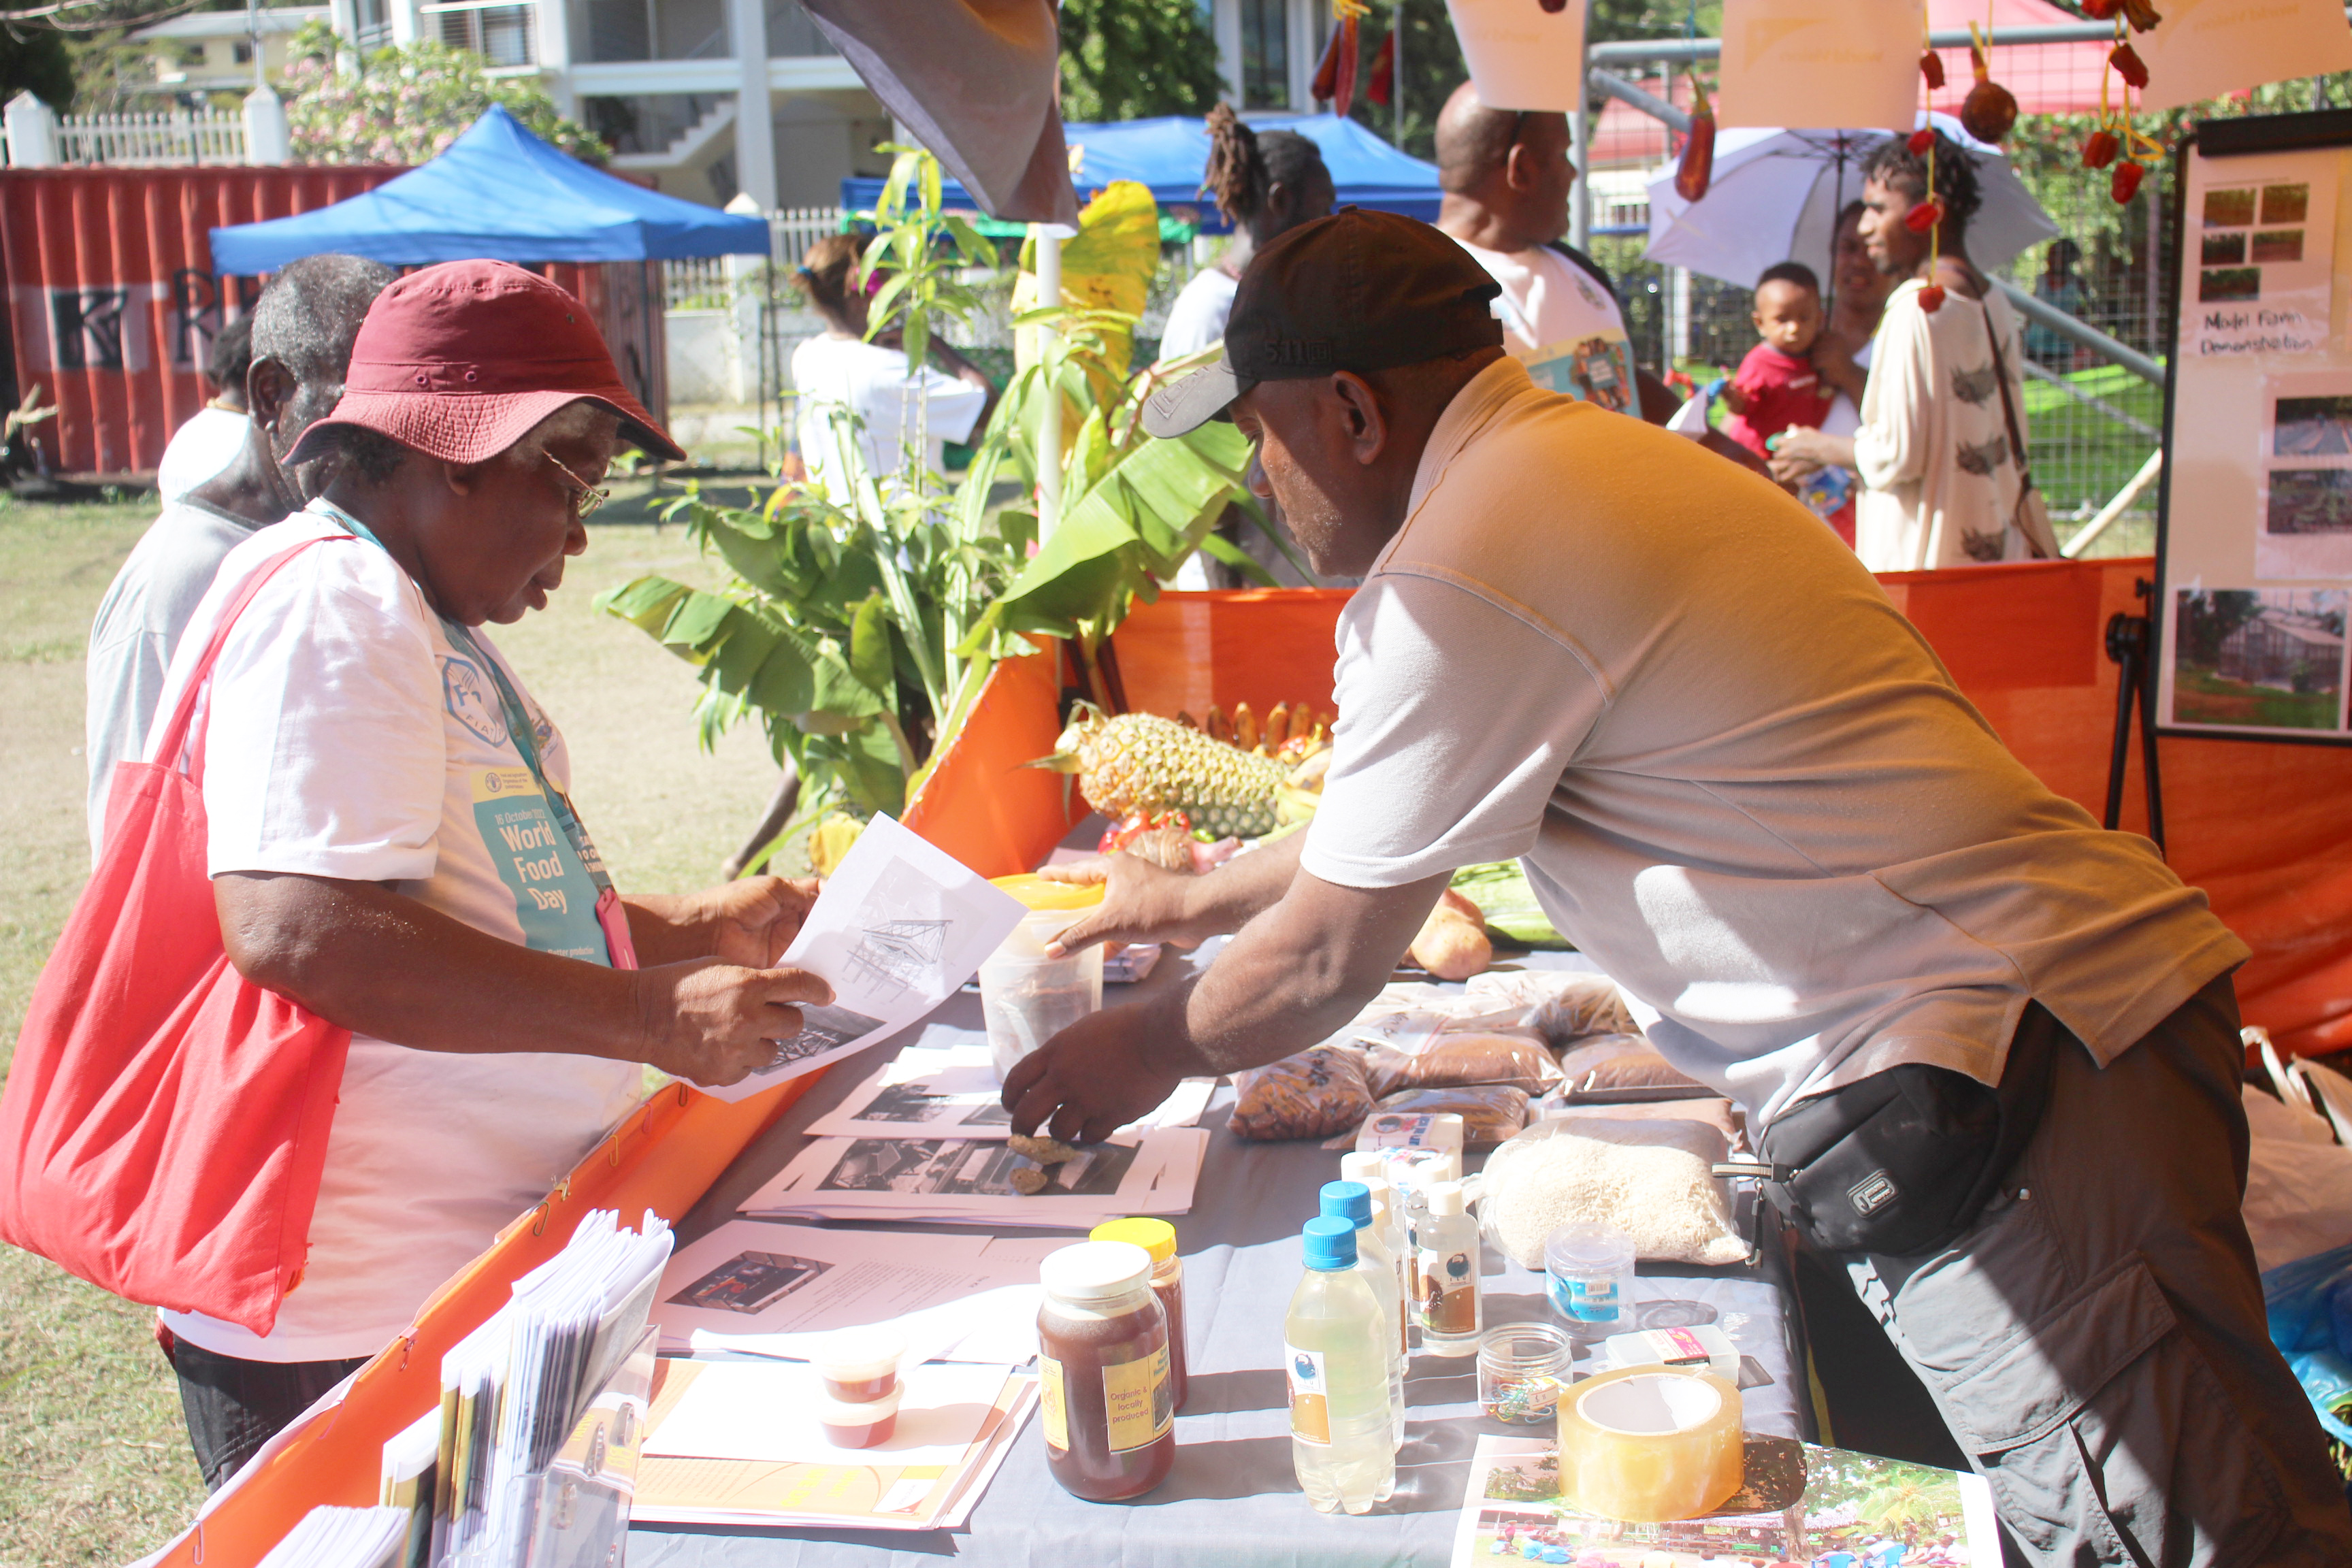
<point x="1330" y="1243"/>
<point x="1348" y="1201"/>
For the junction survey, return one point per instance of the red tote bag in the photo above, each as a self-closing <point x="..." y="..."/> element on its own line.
<point x="165" y="1121"/>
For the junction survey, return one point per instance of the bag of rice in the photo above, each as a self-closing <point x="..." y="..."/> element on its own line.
<point x="1652" y="1180"/>
<point x="1319" y="1091"/>
<point x="1515" y="1057"/>
<point x="1490" y="1112"/>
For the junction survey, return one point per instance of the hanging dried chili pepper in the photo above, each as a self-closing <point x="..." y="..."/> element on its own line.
<point x="1919" y="141"/>
<point x="1931" y="66"/>
<point x="2124" y="183"/>
<point x="1697" y="166"/>
<point x="2128" y="65"/>
<point x="1554" y="6"/>
<point x="2100" y="10"/>
<point x="1382" y="89"/>
<point x="1990" y="109"/>
<point x="2100" y="148"/>
<point x="1931" y="298"/>
<point x="2140" y="14"/>
<point x="1925" y="216"/>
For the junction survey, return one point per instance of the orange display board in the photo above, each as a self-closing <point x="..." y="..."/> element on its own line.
<point x="663" y="1157"/>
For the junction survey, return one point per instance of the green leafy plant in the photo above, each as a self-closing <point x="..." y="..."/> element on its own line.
<point x="861" y="634"/>
<point x="405" y="104"/>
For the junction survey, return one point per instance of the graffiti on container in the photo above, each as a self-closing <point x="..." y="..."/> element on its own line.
<point x="201" y="306"/>
<point x="86" y="328"/>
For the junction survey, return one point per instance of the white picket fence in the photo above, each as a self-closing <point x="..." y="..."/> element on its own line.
<point x="706" y="282"/>
<point x="137" y="140"/>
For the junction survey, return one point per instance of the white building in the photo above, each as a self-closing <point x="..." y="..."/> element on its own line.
<point x="212" y="51"/>
<point x="672" y="84"/>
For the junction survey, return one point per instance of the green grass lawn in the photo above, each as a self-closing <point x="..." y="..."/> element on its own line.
<point x="2201" y="697"/>
<point x="94" y="1463"/>
<point x="2080" y="453"/>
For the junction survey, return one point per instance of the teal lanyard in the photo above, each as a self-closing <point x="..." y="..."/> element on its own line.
<point x="518" y="725"/>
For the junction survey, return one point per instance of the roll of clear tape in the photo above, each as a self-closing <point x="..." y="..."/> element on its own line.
<point x="1649" y="1444"/>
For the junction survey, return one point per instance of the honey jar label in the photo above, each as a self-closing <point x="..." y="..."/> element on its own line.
<point x="1138" y="1402"/>
<point x="1310" y="1402"/>
<point x="1050" y="1406"/>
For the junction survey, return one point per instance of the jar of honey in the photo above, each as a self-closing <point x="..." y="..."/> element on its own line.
<point x="1106" y="1404"/>
<point x="1157" y="1238"/>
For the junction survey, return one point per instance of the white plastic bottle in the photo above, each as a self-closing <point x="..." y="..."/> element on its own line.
<point x="1388" y="1218"/>
<point x="1335" y="1357"/>
<point x="1352" y="1201"/>
<point x="1446" y="1257"/>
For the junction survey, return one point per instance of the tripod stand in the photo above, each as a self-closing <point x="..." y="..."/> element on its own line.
<point x="2131" y="644"/>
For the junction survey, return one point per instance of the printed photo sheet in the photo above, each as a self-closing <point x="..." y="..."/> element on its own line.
<point x="901" y="926"/>
<point x="969" y="1180"/>
<point x="937" y="1090"/>
<point x="770" y="1289"/>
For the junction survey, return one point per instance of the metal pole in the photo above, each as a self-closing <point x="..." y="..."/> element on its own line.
<point x="1579" y="199"/>
<point x="1049" y="435"/>
<point x="1396" y="75"/>
<point x="2090" y="337"/>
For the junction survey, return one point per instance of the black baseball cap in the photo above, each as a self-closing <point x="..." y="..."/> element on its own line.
<point x="1358" y="291"/>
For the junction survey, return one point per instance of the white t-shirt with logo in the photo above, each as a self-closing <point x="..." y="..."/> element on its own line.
<point x="350" y="739"/>
<point x="872" y="382"/>
<point x="1560" y="323"/>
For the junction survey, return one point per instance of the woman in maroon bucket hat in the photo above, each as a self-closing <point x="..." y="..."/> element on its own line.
<point x="390" y="842"/>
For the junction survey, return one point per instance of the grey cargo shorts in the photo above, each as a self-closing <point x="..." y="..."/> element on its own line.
<point x="2097" y="1342"/>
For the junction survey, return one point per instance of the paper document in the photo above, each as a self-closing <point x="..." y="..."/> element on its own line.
<point x="934" y="1092"/>
<point x="771" y="1472"/>
<point x="768" y="1413"/>
<point x="768" y="1288"/>
<point x="900" y="925"/>
<point x="1513" y="1508"/>
<point x="968" y="1181"/>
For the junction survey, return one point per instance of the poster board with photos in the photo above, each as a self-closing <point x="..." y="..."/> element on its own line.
<point x="2254" y="535"/>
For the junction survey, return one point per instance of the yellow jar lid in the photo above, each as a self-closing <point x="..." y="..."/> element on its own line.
<point x="1038" y="893"/>
<point x="1156" y="1236"/>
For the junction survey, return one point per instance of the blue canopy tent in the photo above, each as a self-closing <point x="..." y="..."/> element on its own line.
<point x="1167" y="154"/>
<point x="501" y="193"/>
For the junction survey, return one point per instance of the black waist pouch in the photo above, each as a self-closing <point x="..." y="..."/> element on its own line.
<point x="1903" y="1162"/>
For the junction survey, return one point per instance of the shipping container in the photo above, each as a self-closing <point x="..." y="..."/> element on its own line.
<point x="112" y="301"/>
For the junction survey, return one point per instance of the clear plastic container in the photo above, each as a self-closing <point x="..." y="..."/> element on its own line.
<point x="1523" y="1369"/>
<point x="1589" y="1274"/>
<point x="864" y="1425"/>
<point x="1026" y="998"/>
<point x="1336" y="1360"/>
<point x="859" y="1365"/>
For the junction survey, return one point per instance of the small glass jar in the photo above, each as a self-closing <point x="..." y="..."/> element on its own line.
<point x="1523" y="1369"/>
<point x="1588" y="1275"/>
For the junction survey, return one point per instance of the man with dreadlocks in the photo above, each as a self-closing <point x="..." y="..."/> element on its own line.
<point x="1944" y="482"/>
<point x="1265" y="185"/>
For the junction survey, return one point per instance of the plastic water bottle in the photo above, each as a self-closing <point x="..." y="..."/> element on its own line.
<point x="1445" y="1257"/>
<point x="1352" y="1201"/>
<point x="1335" y="1357"/>
<point x="1388" y="1218"/>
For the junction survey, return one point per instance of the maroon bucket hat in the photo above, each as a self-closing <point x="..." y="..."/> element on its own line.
<point x="461" y="360"/>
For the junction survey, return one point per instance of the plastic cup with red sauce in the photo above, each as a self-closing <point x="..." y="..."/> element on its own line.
<point x="859" y="1368"/>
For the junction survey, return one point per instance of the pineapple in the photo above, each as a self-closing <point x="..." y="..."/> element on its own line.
<point x="1137" y="764"/>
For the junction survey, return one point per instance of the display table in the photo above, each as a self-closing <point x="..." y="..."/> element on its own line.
<point x="1233" y="1496"/>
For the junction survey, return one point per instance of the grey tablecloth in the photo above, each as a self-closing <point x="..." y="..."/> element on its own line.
<point x="1232" y="1497"/>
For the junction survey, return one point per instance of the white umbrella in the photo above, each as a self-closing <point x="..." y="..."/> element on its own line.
<point x="1776" y="196"/>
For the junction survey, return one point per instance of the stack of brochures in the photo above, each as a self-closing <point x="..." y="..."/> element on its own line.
<point x="735" y="1442"/>
<point x="519" y="1389"/>
<point x="343" y="1538"/>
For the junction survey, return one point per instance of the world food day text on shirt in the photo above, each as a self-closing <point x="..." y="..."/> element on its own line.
<point x="900" y="925"/>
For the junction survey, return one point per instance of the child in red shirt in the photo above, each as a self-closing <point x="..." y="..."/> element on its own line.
<point x="1776" y="386"/>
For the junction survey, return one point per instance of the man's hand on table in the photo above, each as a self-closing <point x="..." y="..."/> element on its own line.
<point x="1090" y="1079"/>
<point x="714" y="1023"/>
